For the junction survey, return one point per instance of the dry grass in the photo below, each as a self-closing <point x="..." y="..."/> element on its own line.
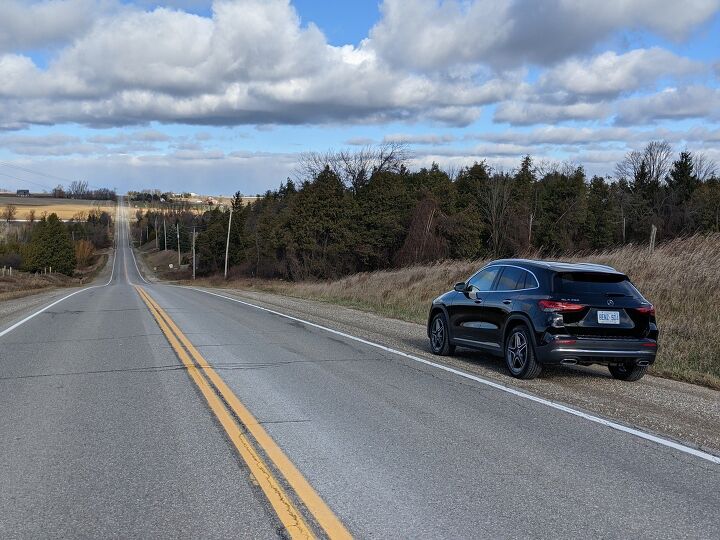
<point x="24" y="283"/>
<point x="682" y="279"/>
<point x="64" y="208"/>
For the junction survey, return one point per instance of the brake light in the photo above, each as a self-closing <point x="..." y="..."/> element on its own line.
<point x="559" y="307"/>
<point x="646" y="310"/>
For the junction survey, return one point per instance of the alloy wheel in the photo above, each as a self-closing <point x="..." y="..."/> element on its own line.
<point x="517" y="352"/>
<point x="437" y="334"/>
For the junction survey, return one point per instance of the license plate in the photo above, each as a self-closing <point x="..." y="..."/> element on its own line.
<point x="608" y="317"/>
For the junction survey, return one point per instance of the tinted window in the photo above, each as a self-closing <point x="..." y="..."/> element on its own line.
<point x="482" y="281"/>
<point x="510" y="278"/>
<point x="593" y="283"/>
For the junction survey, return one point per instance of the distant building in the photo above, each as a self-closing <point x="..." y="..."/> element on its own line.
<point x="23" y="192"/>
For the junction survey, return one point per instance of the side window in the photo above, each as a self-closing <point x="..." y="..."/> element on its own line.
<point x="530" y="281"/>
<point x="510" y="278"/>
<point x="483" y="280"/>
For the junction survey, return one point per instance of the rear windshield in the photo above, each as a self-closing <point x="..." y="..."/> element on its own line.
<point x="594" y="283"/>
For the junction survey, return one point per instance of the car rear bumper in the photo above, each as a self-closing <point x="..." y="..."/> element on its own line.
<point x="571" y="350"/>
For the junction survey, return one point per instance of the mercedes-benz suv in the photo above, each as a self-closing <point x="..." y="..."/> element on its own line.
<point x="534" y="313"/>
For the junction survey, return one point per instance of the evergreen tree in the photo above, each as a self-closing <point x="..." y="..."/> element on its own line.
<point x="50" y="247"/>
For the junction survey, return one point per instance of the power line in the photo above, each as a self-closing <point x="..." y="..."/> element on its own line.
<point x="24" y="180"/>
<point x="35" y="172"/>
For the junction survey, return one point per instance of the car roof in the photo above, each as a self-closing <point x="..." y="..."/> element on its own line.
<point x="558" y="266"/>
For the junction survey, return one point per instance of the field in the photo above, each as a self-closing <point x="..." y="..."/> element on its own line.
<point x="681" y="277"/>
<point x="64" y="208"/>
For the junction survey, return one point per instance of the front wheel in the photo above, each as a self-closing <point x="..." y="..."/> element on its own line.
<point x="627" y="372"/>
<point x="440" y="336"/>
<point x="520" y="354"/>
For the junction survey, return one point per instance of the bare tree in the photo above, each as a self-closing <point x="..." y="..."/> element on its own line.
<point x="657" y="156"/>
<point x="354" y="168"/>
<point x="495" y="208"/>
<point x="704" y="167"/>
<point x="9" y="212"/>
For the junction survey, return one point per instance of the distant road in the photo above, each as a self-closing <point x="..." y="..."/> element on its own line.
<point x="146" y="410"/>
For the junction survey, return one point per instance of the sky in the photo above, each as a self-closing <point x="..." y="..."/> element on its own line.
<point x="219" y="96"/>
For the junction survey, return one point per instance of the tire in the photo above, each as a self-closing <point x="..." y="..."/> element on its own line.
<point x="628" y="372"/>
<point x="440" y="336"/>
<point x="520" y="355"/>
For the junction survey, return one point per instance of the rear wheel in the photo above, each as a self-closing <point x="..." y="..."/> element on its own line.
<point x="520" y="354"/>
<point x="628" y="371"/>
<point x="440" y="336"/>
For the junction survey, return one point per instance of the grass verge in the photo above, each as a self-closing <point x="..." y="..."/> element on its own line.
<point x="681" y="278"/>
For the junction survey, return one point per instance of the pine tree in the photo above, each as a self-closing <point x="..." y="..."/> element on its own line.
<point x="50" y="247"/>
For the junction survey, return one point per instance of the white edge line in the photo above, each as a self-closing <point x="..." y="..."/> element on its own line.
<point x="132" y="252"/>
<point x="33" y="315"/>
<point x="602" y="421"/>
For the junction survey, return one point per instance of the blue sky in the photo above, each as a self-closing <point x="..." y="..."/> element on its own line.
<point x="218" y="97"/>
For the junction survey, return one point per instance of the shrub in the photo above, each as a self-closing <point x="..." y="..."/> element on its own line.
<point x="84" y="251"/>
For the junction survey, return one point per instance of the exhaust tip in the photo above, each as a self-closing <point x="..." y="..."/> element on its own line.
<point x="569" y="361"/>
<point x="643" y="363"/>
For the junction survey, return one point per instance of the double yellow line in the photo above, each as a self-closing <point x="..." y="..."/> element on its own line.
<point x="238" y="421"/>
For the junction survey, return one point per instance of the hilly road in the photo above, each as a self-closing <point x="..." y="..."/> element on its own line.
<point x="147" y="410"/>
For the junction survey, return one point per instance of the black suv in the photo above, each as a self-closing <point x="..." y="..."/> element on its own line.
<point x="542" y="312"/>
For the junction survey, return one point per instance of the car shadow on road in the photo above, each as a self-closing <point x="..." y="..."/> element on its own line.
<point x="496" y="364"/>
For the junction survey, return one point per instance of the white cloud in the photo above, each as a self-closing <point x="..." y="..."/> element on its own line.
<point x="432" y="34"/>
<point x="524" y="113"/>
<point x="252" y="62"/>
<point x="671" y="104"/>
<point x="609" y="74"/>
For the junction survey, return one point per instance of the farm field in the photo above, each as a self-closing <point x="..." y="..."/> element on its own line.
<point x="64" y="208"/>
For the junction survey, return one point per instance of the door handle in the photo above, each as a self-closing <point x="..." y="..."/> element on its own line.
<point x="507" y="302"/>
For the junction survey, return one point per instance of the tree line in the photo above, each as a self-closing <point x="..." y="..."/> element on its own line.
<point x="49" y="243"/>
<point x="348" y="212"/>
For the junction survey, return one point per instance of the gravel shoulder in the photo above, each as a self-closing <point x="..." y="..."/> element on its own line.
<point x="684" y="412"/>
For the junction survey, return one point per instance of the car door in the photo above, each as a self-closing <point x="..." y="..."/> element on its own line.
<point x="466" y="312"/>
<point x="498" y="304"/>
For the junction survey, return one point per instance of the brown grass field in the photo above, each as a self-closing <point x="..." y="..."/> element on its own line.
<point x="681" y="277"/>
<point x="64" y="208"/>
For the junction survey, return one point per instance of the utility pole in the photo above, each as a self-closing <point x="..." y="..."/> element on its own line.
<point x="177" y="226"/>
<point x="157" y="238"/>
<point x="193" y="250"/>
<point x="165" y="234"/>
<point x="227" y="244"/>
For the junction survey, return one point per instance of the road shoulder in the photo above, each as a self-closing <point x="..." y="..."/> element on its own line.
<point x="684" y="412"/>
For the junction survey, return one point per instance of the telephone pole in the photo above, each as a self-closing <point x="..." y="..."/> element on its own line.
<point x="227" y="244"/>
<point x="177" y="226"/>
<point x="193" y="251"/>
<point x="157" y="238"/>
<point x="165" y="233"/>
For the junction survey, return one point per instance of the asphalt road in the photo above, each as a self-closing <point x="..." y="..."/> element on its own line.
<point x="105" y="434"/>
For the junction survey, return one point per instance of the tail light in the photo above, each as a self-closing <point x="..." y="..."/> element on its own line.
<point x="646" y="310"/>
<point x="559" y="307"/>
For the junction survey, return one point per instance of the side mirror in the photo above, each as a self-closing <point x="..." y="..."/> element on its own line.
<point x="460" y="287"/>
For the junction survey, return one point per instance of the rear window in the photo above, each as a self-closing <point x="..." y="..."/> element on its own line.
<point x="593" y="283"/>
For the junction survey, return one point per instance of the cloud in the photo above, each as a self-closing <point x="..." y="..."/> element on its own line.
<point x="251" y="63"/>
<point x="426" y="139"/>
<point x="523" y="113"/>
<point x="610" y="74"/>
<point x="671" y="104"/>
<point x="39" y="24"/>
<point x="432" y="34"/>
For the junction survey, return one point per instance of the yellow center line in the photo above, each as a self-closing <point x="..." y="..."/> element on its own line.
<point x="283" y="506"/>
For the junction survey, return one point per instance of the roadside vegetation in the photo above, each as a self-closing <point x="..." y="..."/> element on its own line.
<point x="47" y="252"/>
<point x="681" y="278"/>
<point x="363" y="230"/>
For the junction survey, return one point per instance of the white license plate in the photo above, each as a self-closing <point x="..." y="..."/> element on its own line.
<point x="608" y="317"/>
